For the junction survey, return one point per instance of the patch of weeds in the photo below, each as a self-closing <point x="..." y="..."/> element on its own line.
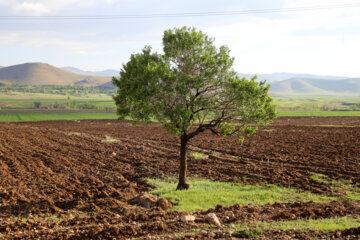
<point x="73" y="133"/>
<point x="331" y="126"/>
<point x="55" y="218"/>
<point x="323" y="224"/>
<point x="215" y="154"/>
<point x="341" y="187"/>
<point x="294" y="130"/>
<point x="198" y="155"/>
<point x="48" y="218"/>
<point x="248" y="233"/>
<point x="110" y="140"/>
<point x="204" y="194"/>
<point x="320" y="178"/>
<point x="269" y="130"/>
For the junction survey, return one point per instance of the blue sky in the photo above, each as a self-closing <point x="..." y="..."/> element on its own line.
<point x="322" y="42"/>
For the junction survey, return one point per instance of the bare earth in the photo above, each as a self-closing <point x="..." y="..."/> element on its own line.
<point x="64" y="167"/>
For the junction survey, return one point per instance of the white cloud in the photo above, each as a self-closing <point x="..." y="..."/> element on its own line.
<point x="93" y="53"/>
<point x="317" y="42"/>
<point x="43" y="40"/>
<point x="37" y="7"/>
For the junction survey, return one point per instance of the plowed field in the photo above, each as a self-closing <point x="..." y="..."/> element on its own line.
<point x="69" y="169"/>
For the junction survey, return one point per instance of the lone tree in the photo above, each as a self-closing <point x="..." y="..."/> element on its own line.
<point x="191" y="88"/>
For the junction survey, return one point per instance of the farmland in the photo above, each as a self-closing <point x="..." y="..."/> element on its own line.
<point x="77" y="103"/>
<point x="20" y="116"/>
<point x="297" y="178"/>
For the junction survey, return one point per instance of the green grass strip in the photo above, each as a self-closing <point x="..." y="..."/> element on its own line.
<point x="341" y="186"/>
<point x="319" y="113"/>
<point x="204" y="194"/>
<point x="25" y="117"/>
<point x="324" y="225"/>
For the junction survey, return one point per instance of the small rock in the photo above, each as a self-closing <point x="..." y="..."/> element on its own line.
<point x="211" y="234"/>
<point x="147" y="200"/>
<point x="229" y="214"/>
<point x="163" y="203"/>
<point x="187" y="219"/>
<point x="212" y="219"/>
<point x="203" y="232"/>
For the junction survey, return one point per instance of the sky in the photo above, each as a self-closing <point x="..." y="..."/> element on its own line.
<point x="323" y="42"/>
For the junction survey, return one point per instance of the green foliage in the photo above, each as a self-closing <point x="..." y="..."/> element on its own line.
<point x="205" y="194"/>
<point x="191" y="83"/>
<point x="37" y="104"/>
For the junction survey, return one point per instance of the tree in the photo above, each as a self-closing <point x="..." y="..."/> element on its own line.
<point x="37" y="104"/>
<point x="191" y="88"/>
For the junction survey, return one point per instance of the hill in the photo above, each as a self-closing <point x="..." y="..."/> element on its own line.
<point x="310" y="86"/>
<point x="273" y="77"/>
<point x="104" y="73"/>
<point x="45" y="74"/>
<point x="107" y="85"/>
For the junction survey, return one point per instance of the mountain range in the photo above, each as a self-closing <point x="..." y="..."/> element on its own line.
<point x="104" y="73"/>
<point x="45" y="74"/>
<point x="311" y="86"/>
<point x="273" y="77"/>
<point x="281" y="83"/>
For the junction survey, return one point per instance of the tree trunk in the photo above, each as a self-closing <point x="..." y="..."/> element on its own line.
<point x="182" y="174"/>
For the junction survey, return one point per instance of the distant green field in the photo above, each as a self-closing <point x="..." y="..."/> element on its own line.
<point x="27" y="100"/>
<point x="319" y="113"/>
<point x="24" y="117"/>
<point x="317" y="103"/>
<point x="37" y="104"/>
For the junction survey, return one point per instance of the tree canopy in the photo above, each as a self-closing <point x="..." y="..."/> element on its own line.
<point x="191" y="88"/>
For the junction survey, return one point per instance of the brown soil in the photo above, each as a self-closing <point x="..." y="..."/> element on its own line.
<point x="64" y="169"/>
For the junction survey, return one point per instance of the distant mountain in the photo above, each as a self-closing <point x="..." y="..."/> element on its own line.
<point x="45" y="74"/>
<point x="283" y="76"/>
<point x="310" y="86"/>
<point x="104" y="73"/>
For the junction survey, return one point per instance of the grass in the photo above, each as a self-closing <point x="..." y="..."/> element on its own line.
<point x="26" y="100"/>
<point x="324" y="225"/>
<point x="73" y="133"/>
<point x="341" y="187"/>
<point x="55" y="218"/>
<point x="319" y="113"/>
<point x="25" y="117"/>
<point x="110" y="140"/>
<point x="315" y="103"/>
<point x="198" y="155"/>
<point x="327" y="125"/>
<point x="269" y="130"/>
<point x="204" y="194"/>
